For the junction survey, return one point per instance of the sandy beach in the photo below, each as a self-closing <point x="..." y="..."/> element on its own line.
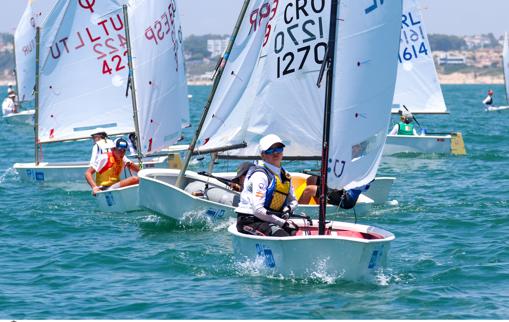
<point x="469" y="78"/>
<point x="454" y="78"/>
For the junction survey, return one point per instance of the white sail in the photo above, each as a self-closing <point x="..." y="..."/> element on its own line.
<point x="364" y="79"/>
<point x="505" y="56"/>
<point x="24" y="38"/>
<point x="83" y="71"/>
<point x="269" y="82"/>
<point x="159" y="72"/>
<point x="417" y="85"/>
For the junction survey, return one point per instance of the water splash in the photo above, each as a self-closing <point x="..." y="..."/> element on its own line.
<point x="8" y="174"/>
<point x="321" y="274"/>
<point x="249" y="267"/>
<point x="202" y="219"/>
<point x="153" y="219"/>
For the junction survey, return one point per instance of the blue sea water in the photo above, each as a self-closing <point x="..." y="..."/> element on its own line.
<point x="60" y="258"/>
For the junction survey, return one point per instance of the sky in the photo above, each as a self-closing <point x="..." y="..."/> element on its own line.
<point x="199" y="17"/>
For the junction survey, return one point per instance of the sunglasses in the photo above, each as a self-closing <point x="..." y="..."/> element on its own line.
<point x="274" y="150"/>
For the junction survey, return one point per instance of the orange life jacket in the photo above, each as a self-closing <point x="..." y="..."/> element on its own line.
<point x="110" y="173"/>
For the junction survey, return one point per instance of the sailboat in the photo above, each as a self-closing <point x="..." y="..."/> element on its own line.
<point x="24" y="58"/>
<point x="418" y="89"/>
<point x="505" y="62"/>
<point x="360" y="62"/>
<point x="158" y="86"/>
<point x="238" y="113"/>
<point x="81" y="79"/>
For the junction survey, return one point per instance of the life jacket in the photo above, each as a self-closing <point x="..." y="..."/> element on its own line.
<point x="278" y="189"/>
<point x="405" y="129"/>
<point x="110" y="173"/>
<point x="8" y="106"/>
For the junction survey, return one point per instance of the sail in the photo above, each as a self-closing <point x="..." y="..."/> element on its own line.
<point x="24" y="38"/>
<point x="505" y="57"/>
<point x="417" y="85"/>
<point x="269" y="82"/>
<point x="364" y="79"/>
<point x="159" y="72"/>
<point x="83" y="71"/>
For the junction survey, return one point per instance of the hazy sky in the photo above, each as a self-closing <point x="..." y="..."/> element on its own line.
<point x="458" y="17"/>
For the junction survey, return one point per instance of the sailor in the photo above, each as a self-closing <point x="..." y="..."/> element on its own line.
<point x="405" y="126"/>
<point x="102" y="144"/>
<point x="488" y="101"/>
<point x="267" y="199"/>
<point x="237" y="183"/>
<point x="345" y="199"/>
<point x="9" y="104"/>
<point x="132" y="143"/>
<point x="10" y="91"/>
<point x="108" y="168"/>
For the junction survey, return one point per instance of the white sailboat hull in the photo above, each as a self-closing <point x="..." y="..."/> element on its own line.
<point x="118" y="200"/>
<point x="345" y="254"/>
<point x="158" y="193"/>
<point x="496" y="108"/>
<point x="25" y="117"/>
<point x="417" y="144"/>
<point x="69" y="175"/>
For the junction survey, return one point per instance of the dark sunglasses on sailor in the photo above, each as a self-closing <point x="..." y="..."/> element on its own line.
<point x="275" y="150"/>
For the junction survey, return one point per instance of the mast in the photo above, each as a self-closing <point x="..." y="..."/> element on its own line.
<point x="36" y="92"/>
<point x="505" y="62"/>
<point x="131" y="83"/>
<point x="224" y="60"/>
<point x="329" y="64"/>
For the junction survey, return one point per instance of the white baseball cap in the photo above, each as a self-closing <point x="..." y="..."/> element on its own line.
<point x="267" y="141"/>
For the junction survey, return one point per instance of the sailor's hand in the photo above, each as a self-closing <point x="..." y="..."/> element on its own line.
<point x="235" y="186"/>
<point x="290" y="227"/>
<point x="95" y="190"/>
<point x="286" y="213"/>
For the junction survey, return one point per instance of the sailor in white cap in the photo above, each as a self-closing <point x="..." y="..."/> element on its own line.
<point x="102" y="144"/>
<point x="267" y="199"/>
<point x="9" y="105"/>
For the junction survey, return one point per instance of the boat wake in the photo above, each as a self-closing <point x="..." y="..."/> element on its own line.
<point x="8" y="174"/>
<point x="204" y="220"/>
<point x="318" y="275"/>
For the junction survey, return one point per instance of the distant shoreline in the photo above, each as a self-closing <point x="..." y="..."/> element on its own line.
<point x="449" y="79"/>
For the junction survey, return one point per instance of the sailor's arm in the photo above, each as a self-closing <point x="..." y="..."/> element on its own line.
<point x="89" y="175"/>
<point x="394" y="130"/>
<point x="131" y="165"/>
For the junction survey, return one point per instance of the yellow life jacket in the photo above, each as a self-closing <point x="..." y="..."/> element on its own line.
<point x="110" y="173"/>
<point x="277" y="190"/>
